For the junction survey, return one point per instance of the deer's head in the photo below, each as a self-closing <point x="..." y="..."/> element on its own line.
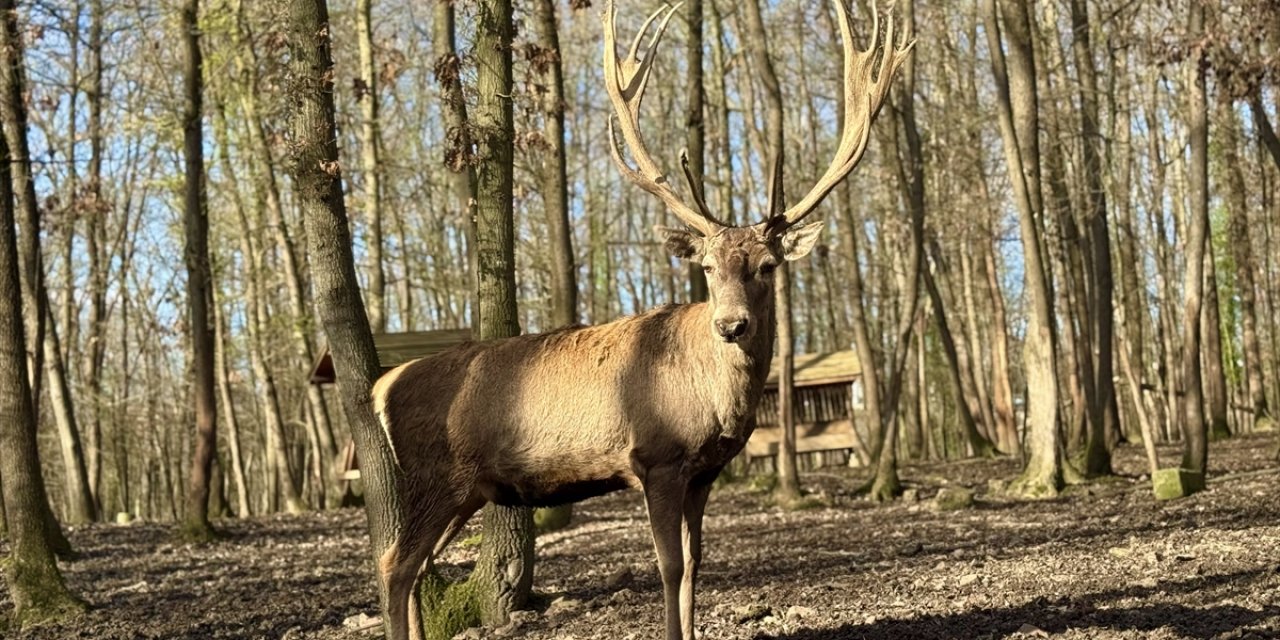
<point x="740" y="261"/>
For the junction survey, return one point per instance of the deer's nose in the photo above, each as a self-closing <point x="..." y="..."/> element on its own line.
<point x="731" y="330"/>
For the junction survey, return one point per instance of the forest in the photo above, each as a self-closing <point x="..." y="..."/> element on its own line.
<point x="1054" y="259"/>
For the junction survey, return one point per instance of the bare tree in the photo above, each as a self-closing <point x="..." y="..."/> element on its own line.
<point x="35" y="585"/>
<point x="199" y="279"/>
<point x="371" y="164"/>
<point x="317" y="176"/>
<point x="1018" y="106"/>
<point x="1195" y="451"/>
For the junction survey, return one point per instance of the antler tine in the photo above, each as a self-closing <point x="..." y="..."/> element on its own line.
<point x="865" y="86"/>
<point x="625" y="82"/>
<point x="698" y="197"/>
<point x="775" y="185"/>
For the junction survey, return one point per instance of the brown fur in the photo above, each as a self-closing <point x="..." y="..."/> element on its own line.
<point x="660" y="401"/>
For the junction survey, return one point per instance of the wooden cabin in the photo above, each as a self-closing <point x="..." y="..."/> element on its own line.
<point x="828" y="399"/>
<point x="828" y="411"/>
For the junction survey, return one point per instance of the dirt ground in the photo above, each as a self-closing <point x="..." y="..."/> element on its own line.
<point x="1105" y="561"/>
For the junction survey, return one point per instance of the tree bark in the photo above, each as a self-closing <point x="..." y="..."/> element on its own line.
<point x="317" y="175"/>
<point x="788" y="490"/>
<point x="503" y="575"/>
<point x="1238" y="230"/>
<point x="371" y="163"/>
<point x="199" y="279"/>
<point x="229" y="413"/>
<point x="1101" y="304"/>
<point x="31" y="572"/>
<point x="1019" y="127"/>
<point x="695" y="128"/>
<point x="1195" y="448"/>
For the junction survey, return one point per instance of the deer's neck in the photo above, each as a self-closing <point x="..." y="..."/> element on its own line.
<point x="739" y="369"/>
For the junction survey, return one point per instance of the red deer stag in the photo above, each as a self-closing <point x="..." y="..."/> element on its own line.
<point x="659" y="402"/>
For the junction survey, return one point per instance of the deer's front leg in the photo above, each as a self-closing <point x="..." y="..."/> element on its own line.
<point x="695" y="503"/>
<point x="664" y="495"/>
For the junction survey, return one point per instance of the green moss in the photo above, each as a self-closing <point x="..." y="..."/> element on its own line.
<point x="953" y="499"/>
<point x="39" y="595"/>
<point x="763" y="483"/>
<point x="473" y="541"/>
<point x="1264" y="423"/>
<point x="197" y="533"/>
<point x="1170" y="484"/>
<point x="807" y="503"/>
<point x="448" y="608"/>
<point x="552" y="518"/>
<point x="1035" y="487"/>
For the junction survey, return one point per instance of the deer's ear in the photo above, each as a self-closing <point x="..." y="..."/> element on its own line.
<point x="681" y="243"/>
<point x="797" y="242"/>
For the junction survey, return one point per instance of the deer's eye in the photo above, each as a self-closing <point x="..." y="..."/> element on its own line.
<point x="767" y="268"/>
<point x="708" y="269"/>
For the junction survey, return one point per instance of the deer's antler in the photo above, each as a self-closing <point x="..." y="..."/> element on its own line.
<point x="866" y="83"/>
<point x="625" y="82"/>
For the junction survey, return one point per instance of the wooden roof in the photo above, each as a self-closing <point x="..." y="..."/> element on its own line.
<point x="816" y="369"/>
<point x="395" y="349"/>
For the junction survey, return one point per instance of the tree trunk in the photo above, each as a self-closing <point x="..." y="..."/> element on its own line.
<point x="695" y="129"/>
<point x="910" y="168"/>
<point x="458" y="145"/>
<point x="1238" y="229"/>
<point x="229" y="412"/>
<point x="256" y="325"/>
<point x="80" y="504"/>
<point x="13" y="111"/>
<point x="199" y="281"/>
<point x="788" y="491"/>
<point x="503" y="576"/>
<point x="30" y="570"/>
<point x="1019" y="127"/>
<point x="1215" y="381"/>
<point x="317" y="176"/>
<point x="1195" y="448"/>
<point x="96" y="241"/>
<point x="298" y="300"/>
<point x="370" y="162"/>
<point x="980" y="445"/>
<point x="555" y="199"/>
<point x="1101" y="307"/>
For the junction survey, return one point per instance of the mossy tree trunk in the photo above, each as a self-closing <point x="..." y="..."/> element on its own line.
<point x="13" y="111"/>
<point x="30" y="570"/>
<point x="317" y="175"/>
